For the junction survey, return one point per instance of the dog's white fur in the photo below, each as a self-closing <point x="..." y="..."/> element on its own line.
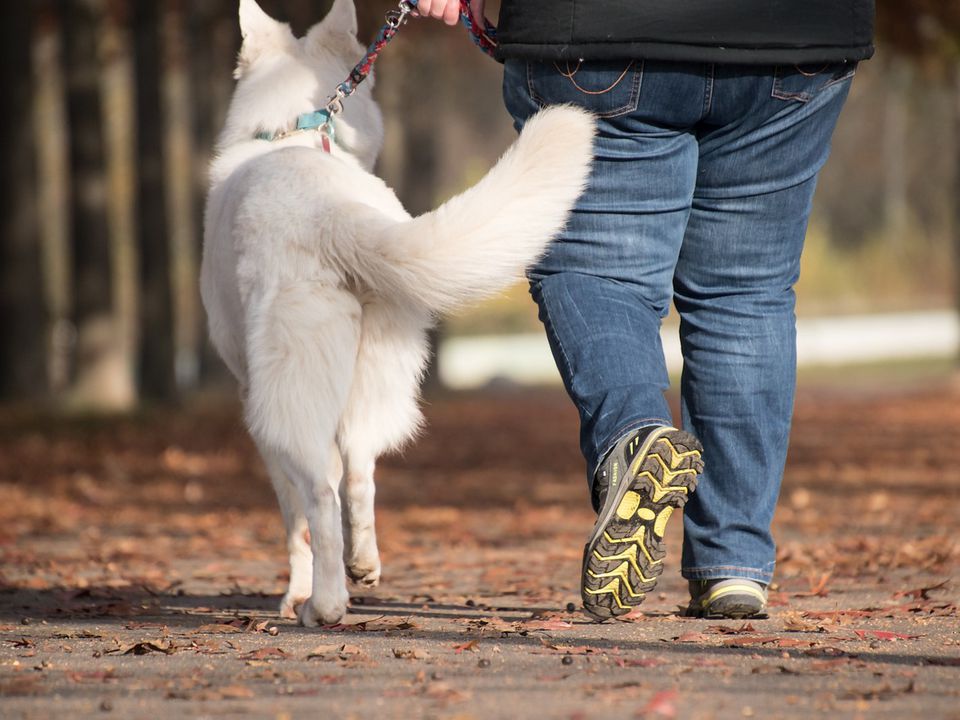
<point x="319" y="287"/>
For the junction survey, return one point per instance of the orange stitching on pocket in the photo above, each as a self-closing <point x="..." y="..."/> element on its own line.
<point x="811" y="74"/>
<point x="570" y="75"/>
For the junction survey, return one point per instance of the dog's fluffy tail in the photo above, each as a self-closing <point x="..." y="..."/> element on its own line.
<point x="482" y="240"/>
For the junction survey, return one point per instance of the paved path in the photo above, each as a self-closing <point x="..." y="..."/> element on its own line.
<point x="141" y="562"/>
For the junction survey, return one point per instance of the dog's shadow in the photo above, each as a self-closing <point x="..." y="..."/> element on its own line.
<point x="174" y="608"/>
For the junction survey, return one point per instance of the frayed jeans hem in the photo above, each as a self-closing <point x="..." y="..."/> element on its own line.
<point x="723" y="572"/>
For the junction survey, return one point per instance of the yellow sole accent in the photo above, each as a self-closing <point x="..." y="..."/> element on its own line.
<point x="660" y="490"/>
<point x="612" y="588"/>
<point x="620" y="572"/>
<point x="630" y="555"/>
<point x="637" y="538"/>
<point x="628" y="505"/>
<point x="661" y="524"/>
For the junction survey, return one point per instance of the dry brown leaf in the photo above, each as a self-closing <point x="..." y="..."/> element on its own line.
<point x="342" y="651"/>
<point x="693" y="637"/>
<point x="410" y="654"/>
<point x="144" y="647"/>
<point x="268" y="653"/>
<point x="795" y="622"/>
<point x="215" y="628"/>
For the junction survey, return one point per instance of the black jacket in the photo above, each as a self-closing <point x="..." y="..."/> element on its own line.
<point x="722" y="31"/>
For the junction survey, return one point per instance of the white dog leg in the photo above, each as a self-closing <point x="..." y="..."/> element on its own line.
<point x="361" y="555"/>
<point x="301" y="557"/>
<point x="302" y="345"/>
<point x="321" y="504"/>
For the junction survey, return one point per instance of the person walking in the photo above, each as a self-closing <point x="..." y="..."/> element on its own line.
<point x="714" y="120"/>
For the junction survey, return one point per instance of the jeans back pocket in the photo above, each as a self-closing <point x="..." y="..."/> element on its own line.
<point x="607" y="88"/>
<point x="801" y="82"/>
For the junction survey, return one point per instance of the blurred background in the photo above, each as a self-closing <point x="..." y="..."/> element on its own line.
<point x="113" y="106"/>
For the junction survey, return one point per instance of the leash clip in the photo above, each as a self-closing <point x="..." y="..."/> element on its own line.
<point x="335" y="104"/>
<point x="396" y="18"/>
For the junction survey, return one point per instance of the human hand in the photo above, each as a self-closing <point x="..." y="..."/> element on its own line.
<point x="448" y="10"/>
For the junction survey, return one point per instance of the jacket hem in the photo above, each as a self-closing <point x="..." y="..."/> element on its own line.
<point x="676" y="52"/>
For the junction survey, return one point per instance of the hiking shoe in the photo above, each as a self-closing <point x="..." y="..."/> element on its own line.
<point x="728" y="598"/>
<point x="646" y="476"/>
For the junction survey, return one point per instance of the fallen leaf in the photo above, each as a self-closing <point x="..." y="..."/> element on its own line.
<point x="921" y="593"/>
<point x="267" y="653"/>
<point x="144" y="647"/>
<point x="410" y="654"/>
<point x="884" y="635"/>
<point x="730" y="630"/>
<point x="692" y="637"/>
<point x="741" y="640"/>
<point x="772" y="669"/>
<point x="79" y="676"/>
<point x="636" y="662"/>
<point x="795" y="622"/>
<point x="662" y="704"/>
<point x="534" y="625"/>
<point x="330" y="652"/>
<point x="215" y="628"/>
<point x="818" y="588"/>
<point x="880" y="692"/>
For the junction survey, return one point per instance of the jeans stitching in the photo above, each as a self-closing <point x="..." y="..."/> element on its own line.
<point x="533" y="94"/>
<point x="780" y="94"/>
<point x="846" y="76"/>
<point x="713" y="568"/>
<point x="632" y="103"/>
<point x="548" y="326"/>
<point x="708" y="94"/>
<point x="804" y="97"/>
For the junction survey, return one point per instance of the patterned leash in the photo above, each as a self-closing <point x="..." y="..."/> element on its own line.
<point x="484" y="35"/>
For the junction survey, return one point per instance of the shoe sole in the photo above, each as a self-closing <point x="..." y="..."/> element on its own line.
<point x="624" y="557"/>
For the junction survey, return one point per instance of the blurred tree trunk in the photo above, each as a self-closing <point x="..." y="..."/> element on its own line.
<point x="179" y="182"/>
<point x="156" y="315"/>
<point x="118" y="102"/>
<point x="896" y="123"/>
<point x="22" y="316"/>
<point x="53" y="192"/>
<point x="215" y="40"/>
<point x="103" y="379"/>
<point x="956" y="189"/>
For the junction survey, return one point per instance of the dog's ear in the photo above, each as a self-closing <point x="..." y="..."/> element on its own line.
<point x="261" y="35"/>
<point x="338" y="30"/>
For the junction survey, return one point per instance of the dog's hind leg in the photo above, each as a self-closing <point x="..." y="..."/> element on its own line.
<point x="298" y="544"/>
<point x="381" y="414"/>
<point x="302" y="344"/>
<point x="360" y="552"/>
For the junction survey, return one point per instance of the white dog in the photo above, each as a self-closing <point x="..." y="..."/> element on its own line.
<point x="319" y="287"/>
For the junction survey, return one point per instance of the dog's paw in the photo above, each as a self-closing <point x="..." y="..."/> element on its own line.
<point x="290" y="605"/>
<point x="365" y="573"/>
<point x="323" y="610"/>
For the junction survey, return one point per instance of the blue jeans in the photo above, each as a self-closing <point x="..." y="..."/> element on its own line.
<point x="700" y="193"/>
